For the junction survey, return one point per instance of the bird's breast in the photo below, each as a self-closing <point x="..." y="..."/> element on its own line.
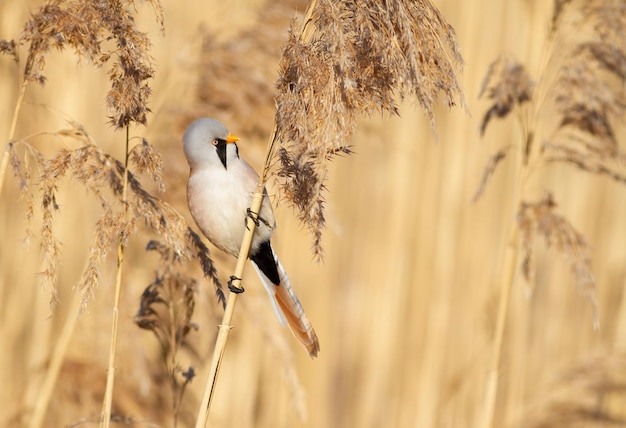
<point x="218" y="200"/>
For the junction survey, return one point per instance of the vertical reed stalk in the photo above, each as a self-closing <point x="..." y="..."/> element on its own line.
<point x="224" y="327"/>
<point x="508" y="276"/>
<point x="105" y="420"/>
<point x="507" y="272"/>
<point x="56" y="361"/>
<point x="16" y="115"/>
<point x="3" y="165"/>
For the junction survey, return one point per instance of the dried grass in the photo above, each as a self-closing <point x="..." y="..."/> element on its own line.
<point x="353" y="59"/>
<point x="587" y="99"/>
<point x="508" y="85"/>
<point x="102" y="175"/>
<point x="100" y="33"/>
<point x="89" y="28"/>
<point x="540" y="219"/>
<point x="582" y="395"/>
<point x="438" y="316"/>
<point x="166" y="308"/>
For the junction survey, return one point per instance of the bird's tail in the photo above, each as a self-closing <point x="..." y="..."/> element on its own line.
<point x="288" y="308"/>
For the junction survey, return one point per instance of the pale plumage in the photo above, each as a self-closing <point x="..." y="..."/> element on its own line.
<point x="219" y="192"/>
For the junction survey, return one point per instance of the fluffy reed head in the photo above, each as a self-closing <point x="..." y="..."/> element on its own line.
<point x="102" y="175"/>
<point x="588" y="392"/>
<point x="100" y="32"/>
<point x="541" y="219"/>
<point x="584" y="91"/>
<point x="507" y="84"/>
<point x="582" y="81"/>
<point x="344" y="60"/>
<point x="89" y="28"/>
<point x="166" y="308"/>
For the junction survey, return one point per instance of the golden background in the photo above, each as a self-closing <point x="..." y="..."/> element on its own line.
<point x="405" y="301"/>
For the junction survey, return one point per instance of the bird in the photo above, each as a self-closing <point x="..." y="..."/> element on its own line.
<point x="219" y="193"/>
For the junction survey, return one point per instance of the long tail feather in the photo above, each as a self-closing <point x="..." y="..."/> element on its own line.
<point x="288" y="308"/>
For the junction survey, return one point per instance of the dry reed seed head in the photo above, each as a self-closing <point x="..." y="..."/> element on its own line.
<point x="507" y="84"/>
<point x="559" y="6"/>
<point x="200" y="251"/>
<point x="50" y="248"/>
<point x="583" y="161"/>
<point x="85" y="26"/>
<point x="148" y="161"/>
<point x="608" y="56"/>
<point x="489" y="170"/>
<point x="167" y="304"/>
<point x="583" y="394"/>
<point x="540" y="219"/>
<point x="103" y="175"/>
<point x="585" y="92"/>
<point x="608" y="17"/>
<point x="105" y="235"/>
<point x="588" y="97"/>
<point x="21" y="166"/>
<point x="587" y="102"/>
<point x="9" y="47"/>
<point x="353" y="59"/>
<point x="53" y="169"/>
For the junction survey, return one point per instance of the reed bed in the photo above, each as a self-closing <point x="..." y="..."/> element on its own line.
<point x="407" y="297"/>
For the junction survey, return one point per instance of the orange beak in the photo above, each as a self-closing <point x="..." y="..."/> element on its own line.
<point x="232" y="138"/>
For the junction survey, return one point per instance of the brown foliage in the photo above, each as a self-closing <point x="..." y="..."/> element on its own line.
<point x="587" y="99"/>
<point x="350" y="59"/>
<point x="507" y="84"/>
<point x="540" y="219"/>
<point x="582" y="395"/>
<point x="166" y="308"/>
<point x="88" y="28"/>
<point x="102" y="175"/>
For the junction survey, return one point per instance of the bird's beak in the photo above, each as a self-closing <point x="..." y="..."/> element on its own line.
<point x="232" y="138"/>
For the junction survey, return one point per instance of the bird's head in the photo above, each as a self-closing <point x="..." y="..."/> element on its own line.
<point x="207" y="142"/>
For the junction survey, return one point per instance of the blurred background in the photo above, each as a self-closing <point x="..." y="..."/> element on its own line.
<point x="405" y="301"/>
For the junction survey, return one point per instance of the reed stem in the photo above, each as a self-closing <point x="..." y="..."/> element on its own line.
<point x="16" y="115"/>
<point x="508" y="276"/>
<point x="56" y="361"/>
<point x="105" y="420"/>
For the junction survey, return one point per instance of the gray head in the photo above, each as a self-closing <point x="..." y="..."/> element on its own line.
<point x="206" y="142"/>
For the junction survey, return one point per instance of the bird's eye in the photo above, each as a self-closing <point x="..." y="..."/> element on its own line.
<point x="214" y="142"/>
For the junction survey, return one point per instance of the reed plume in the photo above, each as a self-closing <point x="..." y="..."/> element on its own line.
<point x="102" y="175"/>
<point x="585" y="51"/>
<point x="88" y="28"/>
<point x="166" y="308"/>
<point x="352" y="60"/>
<point x="340" y="61"/>
<point x="587" y="103"/>
<point x="100" y="33"/>
<point x="588" y="392"/>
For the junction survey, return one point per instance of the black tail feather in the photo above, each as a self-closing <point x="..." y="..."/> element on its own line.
<point x="264" y="259"/>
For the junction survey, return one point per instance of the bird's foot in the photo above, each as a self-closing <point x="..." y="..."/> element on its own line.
<point x="234" y="288"/>
<point x="256" y="218"/>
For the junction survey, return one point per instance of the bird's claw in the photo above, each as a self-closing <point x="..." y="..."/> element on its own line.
<point x="233" y="288"/>
<point x="257" y="219"/>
